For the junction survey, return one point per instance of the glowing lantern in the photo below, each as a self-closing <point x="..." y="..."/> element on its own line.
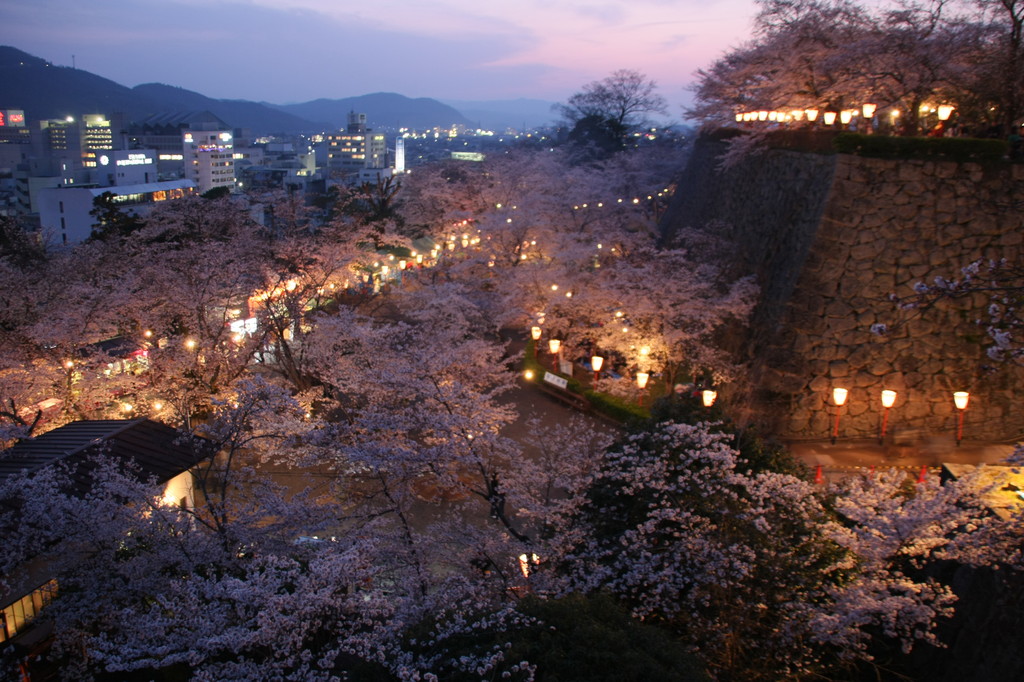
<point x="839" y="398"/>
<point x="960" y="399"/>
<point x="888" y="400"/>
<point x="554" y="345"/>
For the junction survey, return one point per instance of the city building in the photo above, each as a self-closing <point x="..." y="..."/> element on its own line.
<point x="209" y="157"/>
<point x="65" y="211"/>
<point x="357" y="148"/>
<point x="15" y="139"/>
<point x="163" y="133"/>
<point x="125" y="167"/>
<point x="400" y="154"/>
<point x="74" y="143"/>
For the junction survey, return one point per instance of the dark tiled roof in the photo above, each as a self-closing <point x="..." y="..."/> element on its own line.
<point x="152" y="446"/>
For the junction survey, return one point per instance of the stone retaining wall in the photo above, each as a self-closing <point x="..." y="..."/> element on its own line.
<point x="830" y="239"/>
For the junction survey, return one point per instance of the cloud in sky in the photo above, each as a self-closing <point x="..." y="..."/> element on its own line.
<point x="297" y="50"/>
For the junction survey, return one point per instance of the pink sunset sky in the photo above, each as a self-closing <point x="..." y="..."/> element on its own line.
<point x="286" y="51"/>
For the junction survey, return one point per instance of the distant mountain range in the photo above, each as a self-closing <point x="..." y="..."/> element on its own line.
<point x="511" y="113"/>
<point x="46" y="91"/>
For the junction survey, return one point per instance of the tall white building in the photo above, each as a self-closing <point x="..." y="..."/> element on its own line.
<point x="209" y="158"/>
<point x="399" y="154"/>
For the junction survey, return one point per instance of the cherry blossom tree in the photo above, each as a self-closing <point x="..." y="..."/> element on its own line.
<point x="837" y="55"/>
<point x="761" y="574"/>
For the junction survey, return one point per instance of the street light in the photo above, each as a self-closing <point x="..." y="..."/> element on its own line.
<point x="888" y="400"/>
<point x="960" y="399"/>
<point x="839" y="398"/>
<point x="596" y="361"/>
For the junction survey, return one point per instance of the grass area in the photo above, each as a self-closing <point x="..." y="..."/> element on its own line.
<point x="617" y="408"/>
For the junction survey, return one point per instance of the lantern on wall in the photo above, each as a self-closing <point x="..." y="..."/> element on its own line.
<point x="960" y="399"/>
<point x="839" y="398"/>
<point x="829" y="117"/>
<point x="888" y="400"/>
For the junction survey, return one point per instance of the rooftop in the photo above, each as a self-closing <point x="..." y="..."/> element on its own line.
<point x="154" y="447"/>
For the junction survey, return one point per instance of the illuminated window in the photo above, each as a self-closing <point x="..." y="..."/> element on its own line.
<point x="14" y="617"/>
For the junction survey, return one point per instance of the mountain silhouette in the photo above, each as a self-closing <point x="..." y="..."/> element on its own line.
<point x="46" y="91"/>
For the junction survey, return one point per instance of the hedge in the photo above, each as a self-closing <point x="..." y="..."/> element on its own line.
<point x="938" y="148"/>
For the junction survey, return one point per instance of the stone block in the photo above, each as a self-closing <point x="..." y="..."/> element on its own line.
<point x="865" y="380"/>
<point x="907" y="212"/>
<point x="855" y="408"/>
<point x="864" y="252"/>
<point x="839" y="369"/>
<point x="840" y="325"/>
<point x="820" y="383"/>
<point x="894" y="381"/>
<point x="880" y="368"/>
<point x="1011" y="239"/>
<point x="909" y="171"/>
<point x="913" y="189"/>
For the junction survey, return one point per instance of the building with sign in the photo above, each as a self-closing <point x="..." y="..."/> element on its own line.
<point x="12" y="127"/>
<point x="15" y="138"/>
<point x="209" y="157"/>
<point x="65" y="212"/>
<point x="125" y="167"/>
